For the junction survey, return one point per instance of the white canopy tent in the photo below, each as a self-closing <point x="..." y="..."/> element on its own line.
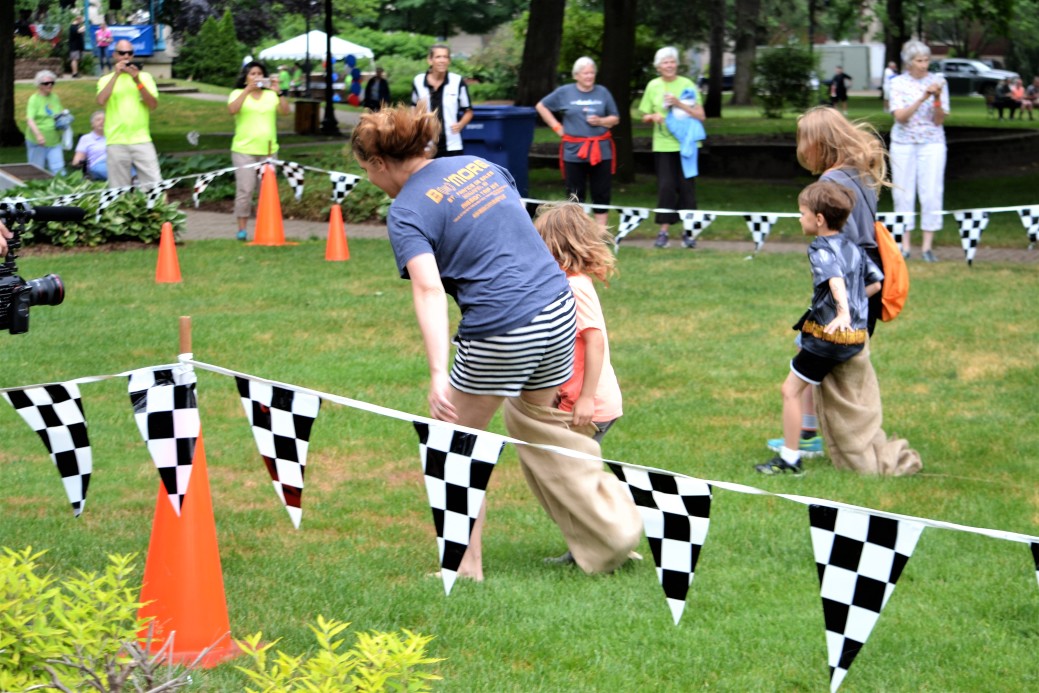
<point x="296" y="48"/>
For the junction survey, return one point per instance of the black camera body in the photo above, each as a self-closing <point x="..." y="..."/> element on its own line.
<point x="17" y="295"/>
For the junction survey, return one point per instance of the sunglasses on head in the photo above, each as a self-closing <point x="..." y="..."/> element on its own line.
<point x="46" y="84"/>
<point x="124" y="52"/>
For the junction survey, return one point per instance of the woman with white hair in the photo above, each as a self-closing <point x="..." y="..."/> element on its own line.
<point x="582" y="114"/>
<point x="919" y="104"/>
<point x="42" y="139"/>
<point x="670" y="91"/>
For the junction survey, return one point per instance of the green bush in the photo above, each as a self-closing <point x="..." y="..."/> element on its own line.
<point x="393" y="43"/>
<point x="213" y="55"/>
<point x="378" y="661"/>
<point x="783" y="76"/>
<point x="28" y="48"/>
<point x="74" y="633"/>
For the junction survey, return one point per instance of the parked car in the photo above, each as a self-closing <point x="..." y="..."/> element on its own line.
<point x="966" y="76"/>
<point x="728" y="76"/>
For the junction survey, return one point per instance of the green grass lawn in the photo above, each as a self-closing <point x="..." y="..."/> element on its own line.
<point x="700" y="343"/>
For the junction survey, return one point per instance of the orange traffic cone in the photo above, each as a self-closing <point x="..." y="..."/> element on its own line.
<point x="183" y="590"/>
<point x="270" y="229"/>
<point x="167" y="271"/>
<point x="337" y="249"/>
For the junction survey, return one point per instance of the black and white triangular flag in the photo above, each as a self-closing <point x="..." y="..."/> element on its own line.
<point x="676" y="514"/>
<point x="281" y="420"/>
<point x="166" y="412"/>
<point x="694" y="221"/>
<point x="1030" y="218"/>
<point x="972" y="223"/>
<point x="760" y="226"/>
<point x="896" y="223"/>
<point x="1035" y="555"/>
<point x="109" y="196"/>
<point x="201" y="183"/>
<point x="457" y="467"/>
<point x="630" y="218"/>
<point x="66" y="200"/>
<point x="294" y="174"/>
<point x="342" y="184"/>
<point x="153" y="191"/>
<point x="55" y="412"/>
<point x="859" y="558"/>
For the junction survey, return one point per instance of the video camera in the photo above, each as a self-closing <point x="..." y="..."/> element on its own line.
<point x="16" y="294"/>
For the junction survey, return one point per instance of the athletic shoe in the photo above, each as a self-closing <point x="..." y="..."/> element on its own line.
<point x="242" y="235"/>
<point x="929" y="256"/>
<point x="566" y="559"/>
<point x="810" y="447"/>
<point x="777" y="465"/>
<point x="661" y="241"/>
<point x="689" y="242"/>
<point x="906" y="254"/>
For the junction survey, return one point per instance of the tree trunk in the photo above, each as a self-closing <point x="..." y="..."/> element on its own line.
<point x="537" y="76"/>
<point x="746" y="38"/>
<point x="894" y="33"/>
<point x="618" y="36"/>
<point x="713" y="105"/>
<point x="10" y="135"/>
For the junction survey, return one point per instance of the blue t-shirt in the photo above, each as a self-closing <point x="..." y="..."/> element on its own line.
<point x="837" y="256"/>
<point x="575" y="106"/>
<point x="468" y="214"/>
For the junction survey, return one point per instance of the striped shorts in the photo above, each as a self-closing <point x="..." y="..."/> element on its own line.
<point x="533" y="357"/>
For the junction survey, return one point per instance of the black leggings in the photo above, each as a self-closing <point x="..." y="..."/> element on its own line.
<point x="674" y="190"/>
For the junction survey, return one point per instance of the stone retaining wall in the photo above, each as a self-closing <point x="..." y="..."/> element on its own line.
<point x="27" y="69"/>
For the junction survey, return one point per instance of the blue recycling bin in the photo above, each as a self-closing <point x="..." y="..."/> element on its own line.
<point x="502" y="135"/>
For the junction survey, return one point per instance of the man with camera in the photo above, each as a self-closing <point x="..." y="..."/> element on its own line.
<point x="128" y="95"/>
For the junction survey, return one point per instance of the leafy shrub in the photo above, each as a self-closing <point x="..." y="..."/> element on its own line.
<point x="213" y="55"/>
<point x="396" y="43"/>
<point x="28" y="48"/>
<point x="74" y="632"/>
<point x="126" y="219"/>
<point x="378" y="661"/>
<point x="783" y="76"/>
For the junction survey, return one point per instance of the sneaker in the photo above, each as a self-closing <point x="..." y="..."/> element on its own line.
<point x="810" y="447"/>
<point x="928" y="256"/>
<point x="566" y="559"/>
<point x="242" y="235"/>
<point x="776" y="465"/>
<point x="906" y="254"/>
<point x="661" y="241"/>
<point x="689" y="242"/>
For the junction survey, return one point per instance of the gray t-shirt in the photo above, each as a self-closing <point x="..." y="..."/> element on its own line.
<point x="837" y="256"/>
<point x="859" y="227"/>
<point x="575" y="106"/>
<point x="467" y="213"/>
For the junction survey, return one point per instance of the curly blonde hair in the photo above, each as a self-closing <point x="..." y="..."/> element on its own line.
<point x="577" y="242"/>
<point x="826" y="139"/>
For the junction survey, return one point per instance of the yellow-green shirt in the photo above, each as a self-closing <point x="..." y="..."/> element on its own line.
<point x="653" y="102"/>
<point x="256" y="124"/>
<point x="127" y="118"/>
<point x="42" y="110"/>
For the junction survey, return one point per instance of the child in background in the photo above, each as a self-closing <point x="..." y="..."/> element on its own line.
<point x="582" y="248"/>
<point x="834" y="328"/>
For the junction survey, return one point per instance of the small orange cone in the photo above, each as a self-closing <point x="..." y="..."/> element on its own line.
<point x="270" y="229"/>
<point x="183" y="588"/>
<point x="167" y="271"/>
<point x="337" y="249"/>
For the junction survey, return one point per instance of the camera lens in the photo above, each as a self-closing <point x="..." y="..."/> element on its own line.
<point x="46" y="291"/>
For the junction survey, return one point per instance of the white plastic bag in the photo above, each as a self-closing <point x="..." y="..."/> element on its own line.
<point x="66" y="139"/>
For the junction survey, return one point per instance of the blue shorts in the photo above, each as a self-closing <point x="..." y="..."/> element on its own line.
<point x="536" y="356"/>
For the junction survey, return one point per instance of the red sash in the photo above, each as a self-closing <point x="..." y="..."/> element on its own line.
<point x="588" y="151"/>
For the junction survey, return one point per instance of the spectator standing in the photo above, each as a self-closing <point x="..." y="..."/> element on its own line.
<point x="377" y="91"/>
<point x="890" y="72"/>
<point x="42" y="139"/>
<point x="255" y="104"/>
<point x="92" y="149"/>
<point x="919" y="104"/>
<point x="443" y="92"/>
<point x="23" y="25"/>
<point x="128" y="95"/>
<point x="1017" y="93"/>
<point x="77" y="31"/>
<point x="839" y="89"/>
<point x="102" y="41"/>
<point x="284" y="79"/>
<point x="662" y="94"/>
<point x="582" y="114"/>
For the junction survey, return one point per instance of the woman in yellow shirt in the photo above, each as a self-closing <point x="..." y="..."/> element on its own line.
<point x="255" y="104"/>
<point x="42" y="139"/>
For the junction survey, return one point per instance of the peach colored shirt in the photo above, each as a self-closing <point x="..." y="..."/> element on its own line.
<point x="589" y="317"/>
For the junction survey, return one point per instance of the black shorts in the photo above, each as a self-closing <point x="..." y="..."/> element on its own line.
<point x="812" y="368"/>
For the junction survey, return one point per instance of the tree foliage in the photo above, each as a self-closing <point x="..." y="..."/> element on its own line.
<point x="214" y="54"/>
<point x="783" y="75"/>
<point x="447" y="17"/>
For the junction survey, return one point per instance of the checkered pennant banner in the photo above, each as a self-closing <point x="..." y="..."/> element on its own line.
<point x="972" y="222"/>
<point x="166" y="412"/>
<point x="760" y="226"/>
<point x="109" y="196"/>
<point x="532" y="207"/>
<point x="859" y="558"/>
<point x="676" y="512"/>
<point x="281" y="420"/>
<point x="294" y="174"/>
<point x="631" y="217"/>
<point x="66" y="200"/>
<point x="201" y="183"/>
<point x="342" y="184"/>
<point x="457" y="467"/>
<point x="694" y="221"/>
<point x="1030" y="218"/>
<point x="154" y="193"/>
<point x="55" y="412"/>
<point x="1035" y="555"/>
<point x="896" y="223"/>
